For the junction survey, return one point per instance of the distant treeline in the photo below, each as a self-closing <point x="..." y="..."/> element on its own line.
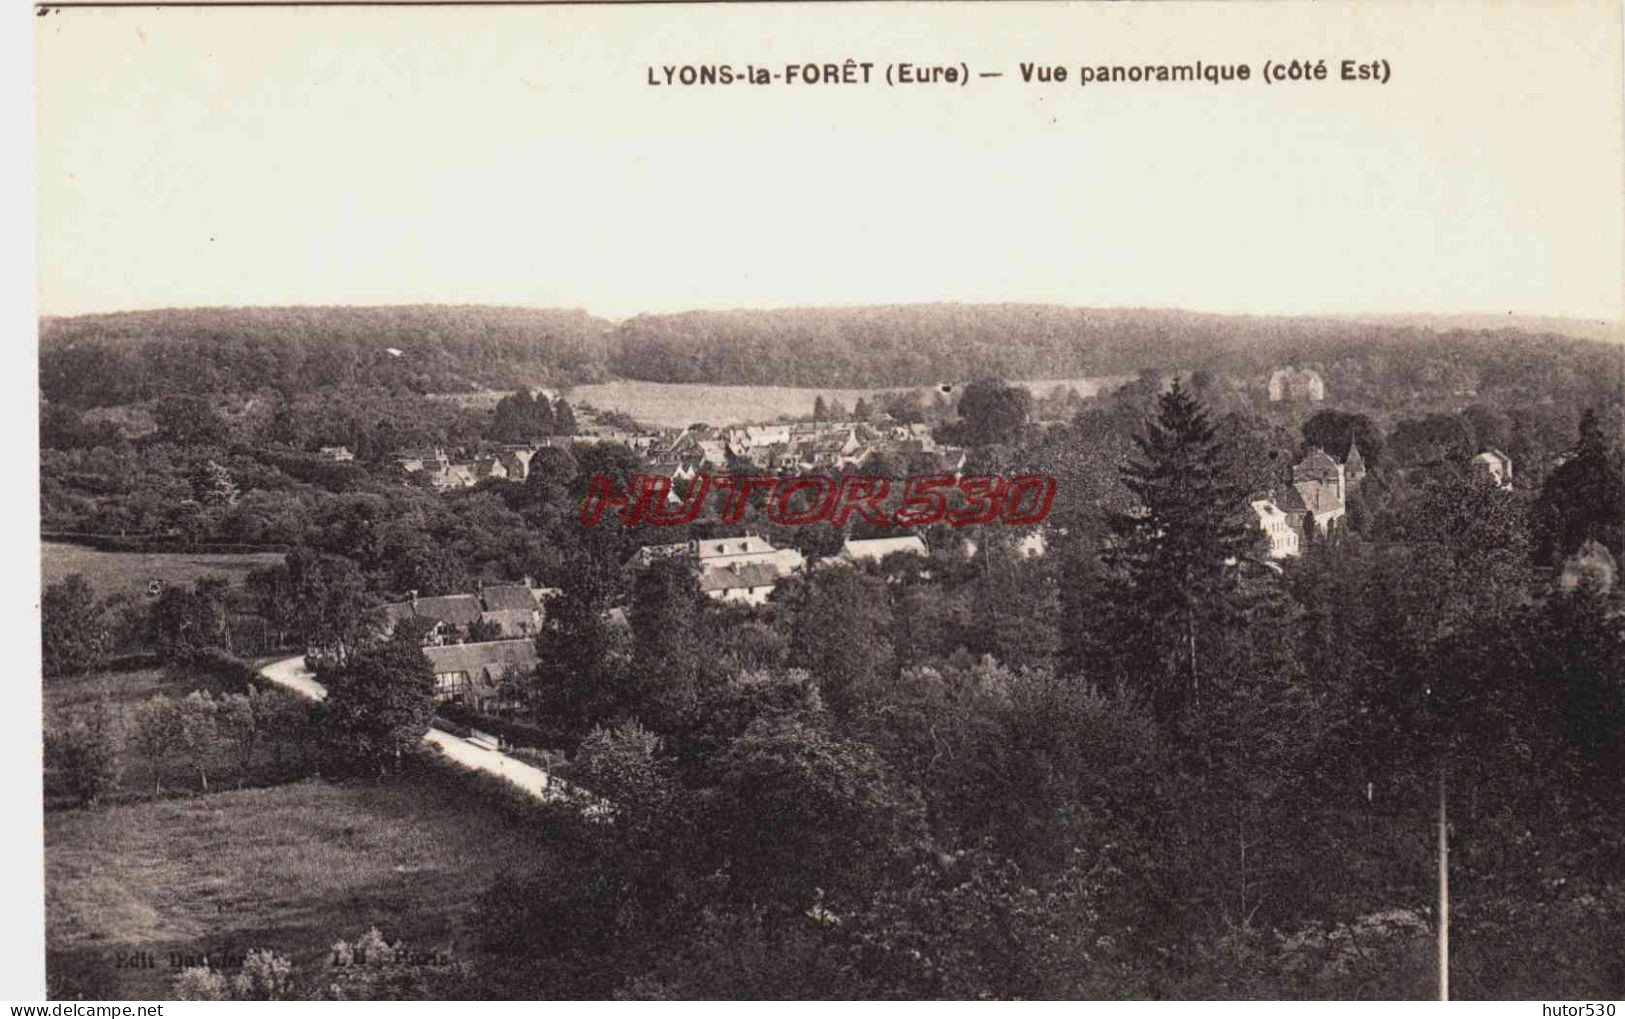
<point x="130" y="357"/>
<point x="910" y="345"/>
<point x="107" y="360"/>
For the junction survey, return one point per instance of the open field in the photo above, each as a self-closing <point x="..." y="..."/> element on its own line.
<point x="122" y="689"/>
<point x="295" y="867"/>
<point x="130" y="572"/>
<point x="676" y="405"/>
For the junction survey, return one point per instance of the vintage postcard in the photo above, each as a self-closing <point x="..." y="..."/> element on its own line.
<point x="827" y="501"/>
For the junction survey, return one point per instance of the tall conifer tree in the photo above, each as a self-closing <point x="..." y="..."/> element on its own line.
<point x="1174" y="560"/>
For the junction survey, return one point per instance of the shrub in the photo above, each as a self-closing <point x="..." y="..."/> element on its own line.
<point x="460" y="731"/>
<point x="550" y="761"/>
<point x="233" y="673"/>
<point x="520" y="734"/>
<point x="265" y="976"/>
<point x="200" y="983"/>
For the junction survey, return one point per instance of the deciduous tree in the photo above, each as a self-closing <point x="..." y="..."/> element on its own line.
<point x="84" y="749"/>
<point x="198" y="731"/>
<point x="155" y="732"/>
<point x="74" y="632"/>
<point x="379" y="705"/>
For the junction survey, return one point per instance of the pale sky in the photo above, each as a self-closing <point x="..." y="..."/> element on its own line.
<point x="516" y="155"/>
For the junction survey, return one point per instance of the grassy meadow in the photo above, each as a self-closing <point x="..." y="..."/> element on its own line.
<point x="130" y="572"/>
<point x="287" y="862"/>
<point x="293" y="867"/>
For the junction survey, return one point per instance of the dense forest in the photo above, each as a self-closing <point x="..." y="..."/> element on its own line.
<point x="109" y="360"/>
<point x="1385" y="363"/>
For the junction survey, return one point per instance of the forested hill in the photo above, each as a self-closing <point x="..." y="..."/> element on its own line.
<point x="103" y="360"/>
<point x="125" y="358"/>
<point x="918" y="344"/>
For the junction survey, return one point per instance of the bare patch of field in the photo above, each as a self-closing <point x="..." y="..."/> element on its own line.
<point x="676" y="405"/>
<point x="130" y="572"/>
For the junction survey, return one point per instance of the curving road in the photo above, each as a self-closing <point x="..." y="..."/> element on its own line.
<point x="292" y="674"/>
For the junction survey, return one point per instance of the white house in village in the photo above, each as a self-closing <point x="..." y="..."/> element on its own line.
<point x="742" y="569"/>
<point x="716" y="552"/>
<point x="1497" y="465"/>
<point x="1033" y="544"/>
<point x="747" y="583"/>
<point x="1030" y="545"/>
<point x="1278" y="527"/>
<point x="875" y="549"/>
<point x="1296" y="385"/>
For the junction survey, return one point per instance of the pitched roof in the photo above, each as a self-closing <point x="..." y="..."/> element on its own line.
<point x="1317" y="460"/>
<point x="706" y="549"/>
<point x="516" y="461"/>
<point x="398" y="610"/>
<point x="1318" y="496"/>
<point x="475" y="658"/>
<point x="514" y="622"/>
<point x="737" y="575"/>
<point x="1291" y="501"/>
<point x="460" y="609"/>
<point x="508" y="596"/>
<point x="748" y="544"/>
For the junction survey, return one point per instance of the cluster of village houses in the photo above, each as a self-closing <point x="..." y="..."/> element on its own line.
<point x="476" y="642"/>
<point x="799" y="445"/>
<point x="680" y="454"/>
<point x="1317" y="499"/>
<point x="743" y="569"/>
<point x="467" y="669"/>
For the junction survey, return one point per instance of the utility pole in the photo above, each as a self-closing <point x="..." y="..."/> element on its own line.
<point x="1444" y="891"/>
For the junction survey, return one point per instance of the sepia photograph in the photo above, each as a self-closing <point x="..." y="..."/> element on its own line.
<point x="801" y="501"/>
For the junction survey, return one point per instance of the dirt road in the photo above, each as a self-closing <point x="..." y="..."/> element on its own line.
<point x="292" y="674"/>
